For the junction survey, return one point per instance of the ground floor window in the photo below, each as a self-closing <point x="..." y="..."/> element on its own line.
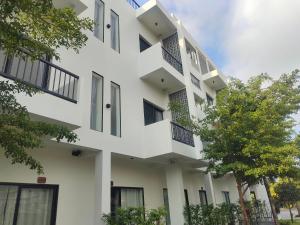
<point x="28" y="204"/>
<point x="166" y="203"/>
<point x="203" y="197"/>
<point x="124" y="197"/>
<point x="226" y="197"/>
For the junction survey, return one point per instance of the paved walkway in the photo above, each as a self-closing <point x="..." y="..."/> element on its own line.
<point x="285" y="214"/>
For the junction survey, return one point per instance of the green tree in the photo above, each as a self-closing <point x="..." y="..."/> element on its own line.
<point x="288" y="194"/>
<point x="249" y="130"/>
<point x="41" y="29"/>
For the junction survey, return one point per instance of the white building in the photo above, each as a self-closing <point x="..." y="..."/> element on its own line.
<point x="116" y="97"/>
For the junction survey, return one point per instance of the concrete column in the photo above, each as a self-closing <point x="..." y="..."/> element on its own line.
<point x="102" y="185"/>
<point x="175" y="193"/>
<point x="210" y="191"/>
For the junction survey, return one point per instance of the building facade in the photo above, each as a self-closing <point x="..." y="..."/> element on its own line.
<point x="114" y="94"/>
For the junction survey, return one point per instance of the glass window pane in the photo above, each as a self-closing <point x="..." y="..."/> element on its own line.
<point x="99" y="20"/>
<point x="97" y="103"/>
<point x="8" y="197"/>
<point x="131" y="197"/>
<point x="35" y="206"/>
<point x="166" y="203"/>
<point x="115" y="39"/>
<point x="115" y="110"/>
<point x="152" y="114"/>
<point x="203" y="197"/>
<point x="203" y="63"/>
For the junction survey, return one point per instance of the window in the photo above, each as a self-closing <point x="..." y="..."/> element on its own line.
<point x="211" y="67"/>
<point x="115" y="110"/>
<point x="99" y="20"/>
<point x="187" y="204"/>
<point x="226" y="197"/>
<point x="115" y="31"/>
<point x="210" y="100"/>
<point x="203" y="64"/>
<point x="203" y="197"/>
<point x="124" y="197"/>
<point x="166" y="203"/>
<point x="144" y="44"/>
<point x="152" y="114"/>
<point x="195" y="81"/>
<point x="19" y="204"/>
<point x="96" y="121"/>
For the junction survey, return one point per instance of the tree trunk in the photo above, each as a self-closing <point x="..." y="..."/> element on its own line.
<point x="291" y="214"/>
<point x="275" y="218"/>
<point x="242" y="203"/>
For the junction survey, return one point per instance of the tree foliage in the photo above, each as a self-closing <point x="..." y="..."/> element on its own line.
<point x="40" y="28"/>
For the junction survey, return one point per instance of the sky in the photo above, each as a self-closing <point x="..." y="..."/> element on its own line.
<point x="244" y="37"/>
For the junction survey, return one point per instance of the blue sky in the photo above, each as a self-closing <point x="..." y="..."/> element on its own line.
<point x="244" y="37"/>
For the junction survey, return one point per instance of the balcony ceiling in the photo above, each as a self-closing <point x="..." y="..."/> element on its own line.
<point x="77" y="5"/>
<point x="215" y="80"/>
<point x="156" y="19"/>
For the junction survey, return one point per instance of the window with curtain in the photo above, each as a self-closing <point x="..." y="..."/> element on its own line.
<point x="226" y="197"/>
<point x="115" y="31"/>
<point x="99" y="20"/>
<point x="124" y="197"/>
<point x="203" y="197"/>
<point x="28" y="204"/>
<point x="152" y="114"/>
<point x="115" y="110"/>
<point x="96" y="120"/>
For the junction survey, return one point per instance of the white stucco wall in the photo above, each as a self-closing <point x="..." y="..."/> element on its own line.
<point x="74" y="175"/>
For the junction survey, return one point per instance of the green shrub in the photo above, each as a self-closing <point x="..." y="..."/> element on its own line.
<point x="135" y="216"/>
<point x="285" y="222"/>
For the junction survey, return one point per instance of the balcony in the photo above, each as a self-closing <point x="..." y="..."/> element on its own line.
<point x="77" y="5"/>
<point x="215" y="80"/>
<point x="56" y="101"/>
<point x="158" y="67"/>
<point x="168" y="139"/>
<point x="154" y="16"/>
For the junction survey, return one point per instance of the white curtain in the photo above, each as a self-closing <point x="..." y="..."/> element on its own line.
<point x="35" y="207"/>
<point x="96" y="103"/>
<point x="8" y="197"/>
<point x="131" y="198"/>
<point x="99" y="19"/>
<point x="115" y="42"/>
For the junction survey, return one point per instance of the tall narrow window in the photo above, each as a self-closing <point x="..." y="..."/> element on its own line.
<point x="144" y="44"/>
<point x="226" y="197"/>
<point x="96" y="121"/>
<point x="187" y="204"/>
<point x="209" y="99"/>
<point x="166" y="203"/>
<point x="99" y="20"/>
<point x="115" y="31"/>
<point x="28" y="204"/>
<point x="203" y="197"/>
<point x="115" y="110"/>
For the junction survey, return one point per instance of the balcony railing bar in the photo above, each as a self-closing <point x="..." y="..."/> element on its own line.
<point x="42" y="75"/>
<point x="172" y="60"/>
<point x="133" y="4"/>
<point x="181" y="134"/>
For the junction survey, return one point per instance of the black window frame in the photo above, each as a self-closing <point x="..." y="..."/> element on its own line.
<point x="226" y="195"/>
<point x="155" y="108"/>
<point x="205" y="196"/>
<point x="195" y="81"/>
<point x="119" y="188"/>
<point x="141" y="38"/>
<point x="210" y="100"/>
<point x="53" y="187"/>
<point x="187" y="204"/>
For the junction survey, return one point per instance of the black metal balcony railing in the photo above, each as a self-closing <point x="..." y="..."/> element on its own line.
<point x="41" y="74"/>
<point x="133" y="4"/>
<point x="181" y="134"/>
<point x="172" y="60"/>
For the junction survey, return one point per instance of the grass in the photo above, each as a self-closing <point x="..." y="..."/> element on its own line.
<point x="296" y="222"/>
